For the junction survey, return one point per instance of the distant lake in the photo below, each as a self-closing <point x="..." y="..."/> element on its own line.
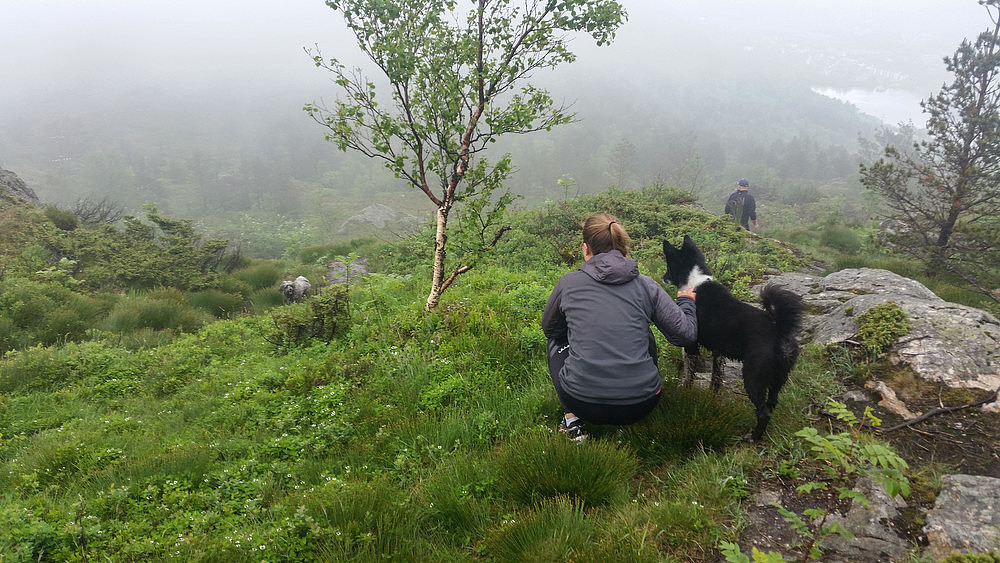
<point x="890" y="105"/>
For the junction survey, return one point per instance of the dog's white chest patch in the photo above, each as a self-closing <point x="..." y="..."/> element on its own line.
<point x="696" y="278"/>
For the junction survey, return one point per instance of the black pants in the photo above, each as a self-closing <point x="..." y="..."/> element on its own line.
<point x="595" y="413"/>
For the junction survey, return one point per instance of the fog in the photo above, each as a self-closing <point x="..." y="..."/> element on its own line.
<point x="64" y="51"/>
<point x="183" y="85"/>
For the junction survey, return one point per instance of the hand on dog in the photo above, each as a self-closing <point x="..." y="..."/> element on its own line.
<point x="686" y="293"/>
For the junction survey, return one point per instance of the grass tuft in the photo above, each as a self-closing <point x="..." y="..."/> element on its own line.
<point x="217" y="303"/>
<point x="688" y="419"/>
<point x="557" y="529"/>
<point x="260" y="276"/>
<point x="157" y="310"/>
<point x="542" y="464"/>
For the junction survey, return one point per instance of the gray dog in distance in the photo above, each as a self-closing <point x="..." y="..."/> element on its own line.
<point x="295" y="291"/>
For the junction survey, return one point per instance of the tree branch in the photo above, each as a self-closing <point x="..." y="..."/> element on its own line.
<point x="461" y="269"/>
<point x="989" y="399"/>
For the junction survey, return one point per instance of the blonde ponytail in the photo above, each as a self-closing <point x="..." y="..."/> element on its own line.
<point x="604" y="233"/>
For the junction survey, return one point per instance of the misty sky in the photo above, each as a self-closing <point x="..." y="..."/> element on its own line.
<point x="55" y="48"/>
<point x="94" y="92"/>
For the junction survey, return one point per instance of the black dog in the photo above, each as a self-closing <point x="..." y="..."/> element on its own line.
<point x="765" y="341"/>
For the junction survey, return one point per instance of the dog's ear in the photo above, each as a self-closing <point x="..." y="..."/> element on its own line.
<point x="688" y="243"/>
<point x="667" y="247"/>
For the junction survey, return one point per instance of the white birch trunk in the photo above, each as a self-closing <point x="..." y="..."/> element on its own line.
<point x="437" y="278"/>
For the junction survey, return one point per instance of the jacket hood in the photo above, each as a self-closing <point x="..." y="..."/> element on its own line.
<point x="611" y="268"/>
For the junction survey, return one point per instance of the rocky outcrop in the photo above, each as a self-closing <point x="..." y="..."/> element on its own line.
<point x="874" y="538"/>
<point x="338" y="272"/>
<point x="13" y="188"/>
<point x="949" y="343"/>
<point x="380" y="217"/>
<point x="965" y="517"/>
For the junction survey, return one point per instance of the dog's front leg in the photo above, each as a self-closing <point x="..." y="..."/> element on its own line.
<point x="692" y="357"/>
<point x="717" y="362"/>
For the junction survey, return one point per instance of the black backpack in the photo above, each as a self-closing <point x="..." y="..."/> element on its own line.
<point x="735" y="206"/>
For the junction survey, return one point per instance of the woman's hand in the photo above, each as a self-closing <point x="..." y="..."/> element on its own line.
<point x="686" y="293"/>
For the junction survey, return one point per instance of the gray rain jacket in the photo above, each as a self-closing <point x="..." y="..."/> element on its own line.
<point x="603" y="310"/>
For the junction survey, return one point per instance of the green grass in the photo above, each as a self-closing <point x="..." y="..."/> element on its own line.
<point x="555" y="530"/>
<point x="411" y="435"/>
<point x="260" y="275"/>
<point x="543" y="465"/>
<point x="408" y="436"/>
<point x="156" y="310"/>
<point x="218" y="303"/>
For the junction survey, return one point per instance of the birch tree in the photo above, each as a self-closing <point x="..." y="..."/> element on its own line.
<point x="458" y="76"/>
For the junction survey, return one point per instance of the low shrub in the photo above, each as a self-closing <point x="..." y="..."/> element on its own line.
<point x="157" y="310"/>
<point x="34" y="369"/>
<point x="260" y="275"/>
<point x="264" y="299"/>
<point x="40" y="312"/>
<point x="8" y="339"/>
<point x="62" y="219"/>
<point x="175" y="365"/>
<point x="320" y="317"/>
<point x="881" y="326"/>
<point x="221" y="305"/>
<point x="991" y="557"/>
<point x="29" y="537"/>
<point x="841" y="238"/>
<point x="326" y="252"/>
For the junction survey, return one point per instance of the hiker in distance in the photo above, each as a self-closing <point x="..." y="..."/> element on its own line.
<point x="742" y="206"/>
<point x="602" y="355"/>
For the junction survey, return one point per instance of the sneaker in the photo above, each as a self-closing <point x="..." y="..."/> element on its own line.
<point x="576" y="430"/>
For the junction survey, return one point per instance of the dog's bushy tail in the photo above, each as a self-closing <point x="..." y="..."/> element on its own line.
<point x="786" y="309"/>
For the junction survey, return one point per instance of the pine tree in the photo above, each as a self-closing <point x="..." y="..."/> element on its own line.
<point x="945" y="192"/>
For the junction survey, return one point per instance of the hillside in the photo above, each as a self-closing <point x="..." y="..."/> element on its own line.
<point x="356" y="426"/>
<point x="669" y="122"/>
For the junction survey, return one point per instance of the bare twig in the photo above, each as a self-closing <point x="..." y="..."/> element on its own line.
<point x="989" y="399"/>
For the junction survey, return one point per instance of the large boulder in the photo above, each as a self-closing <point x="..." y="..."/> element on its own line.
<point x="965" y="517"/>
<point x="948" y="343"/>
<point x="13" y="188"/>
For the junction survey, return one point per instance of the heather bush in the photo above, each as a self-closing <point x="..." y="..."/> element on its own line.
<point x="45" y="313"/>
<point x="319" y="317"/>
